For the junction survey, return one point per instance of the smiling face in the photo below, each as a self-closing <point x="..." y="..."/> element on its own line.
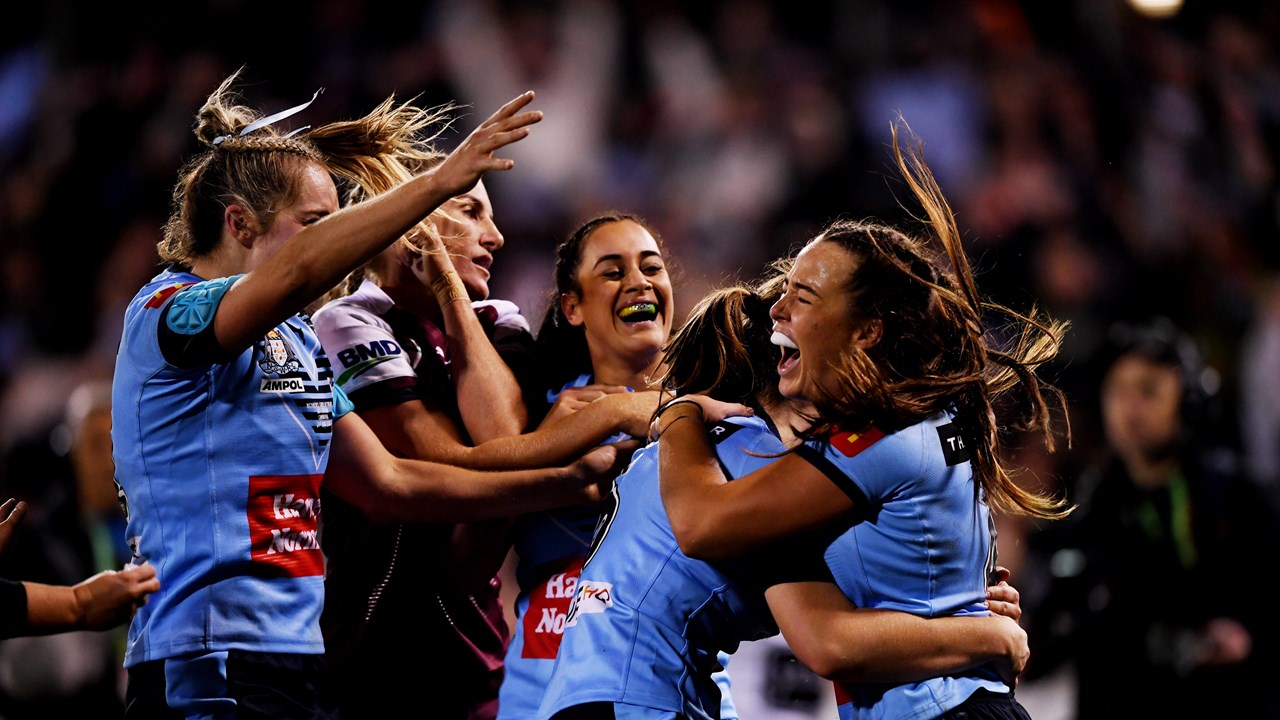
<point x="471" y="237"/>
<point x="813" y="321"/>
<point x="624" y="297"/>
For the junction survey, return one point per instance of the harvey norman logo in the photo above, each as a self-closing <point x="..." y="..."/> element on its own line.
<point x="282" y="385"/>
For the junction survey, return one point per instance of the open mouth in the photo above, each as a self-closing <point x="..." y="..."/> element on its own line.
<point x="639" y="312"/>
<point x="790" y="351"/>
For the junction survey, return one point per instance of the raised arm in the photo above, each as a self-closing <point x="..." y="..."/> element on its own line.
<point x="490" y="400"/>
<point x="317" y="257"/>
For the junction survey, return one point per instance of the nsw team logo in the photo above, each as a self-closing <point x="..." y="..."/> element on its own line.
<point x="277" y="358"/>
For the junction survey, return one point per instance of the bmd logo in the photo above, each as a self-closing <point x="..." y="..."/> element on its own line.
<point x="375" y="349"/>
<point x="360" y="359"/>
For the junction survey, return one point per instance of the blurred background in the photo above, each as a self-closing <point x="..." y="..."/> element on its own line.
<point x="1106" y="161"/>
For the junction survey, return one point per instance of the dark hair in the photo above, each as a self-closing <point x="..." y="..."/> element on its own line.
<point x="934" y="353"/>
<point x="562" y="347"/>
<point x="724" y="348"/>
<point x="1162" y="342"/>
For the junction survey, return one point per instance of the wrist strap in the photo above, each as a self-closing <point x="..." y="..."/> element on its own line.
<point x="682" y="401"/>
<point x="448" y="288"/>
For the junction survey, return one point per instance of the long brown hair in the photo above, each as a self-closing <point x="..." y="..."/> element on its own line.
<point x="724" y="348"/>
<point x="935" y="351"/>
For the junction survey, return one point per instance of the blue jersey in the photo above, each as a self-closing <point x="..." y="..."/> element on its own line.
<point x="924" y="546"/>
<point x="550" y="547"/>
<point x="648" y="625"/>
<point x="220" y="466"/>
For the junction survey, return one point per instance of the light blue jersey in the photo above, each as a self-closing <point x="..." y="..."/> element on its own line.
<point x="925" y="546"/>
<point x="649" y="626"/>
<point x="550" y="547"/>
<point x="220" y="465"/>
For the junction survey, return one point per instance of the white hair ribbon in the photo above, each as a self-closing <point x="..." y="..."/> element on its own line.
<point x="268" y="120"/>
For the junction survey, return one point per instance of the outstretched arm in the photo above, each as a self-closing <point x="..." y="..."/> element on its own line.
<point x="413" y="430"/>
<point x="101" y="602"/>
<point x="393" y="489"/>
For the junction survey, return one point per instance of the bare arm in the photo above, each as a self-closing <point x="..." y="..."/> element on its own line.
<point x="101" y="602"/>
<point x="714" y="519"/>
<point x="850" y="645"/>
<point x="315" y="259"/>
<point x="490" y="400"/>
<point x="412" y="430"/>
<point x="387" y="488"/>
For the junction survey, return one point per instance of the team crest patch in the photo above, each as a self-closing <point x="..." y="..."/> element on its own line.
<point x="277" y="358"/>
<point x="850" y="444"/>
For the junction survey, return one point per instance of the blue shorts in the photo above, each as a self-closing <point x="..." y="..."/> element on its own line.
<point x="231" y="685"/>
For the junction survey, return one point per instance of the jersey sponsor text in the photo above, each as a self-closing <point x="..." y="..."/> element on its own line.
<point x="282" y="385"/>
<point x="544" y="621"/>
<point x="593" y="597"/>
<point x="283" y="523"/>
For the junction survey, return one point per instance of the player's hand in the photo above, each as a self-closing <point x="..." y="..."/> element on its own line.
<point x="11" y="514"/>
<point x="461" y="170"/>
<point x="710" y="410"/>
<point x="595" y="471"/>
<point x="571" y="400"/>
<point x="1018" y="650"/>
<point x="109" y="598"/>
<point x="1003" y="598"/>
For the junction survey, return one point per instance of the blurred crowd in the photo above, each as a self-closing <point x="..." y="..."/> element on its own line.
<point x="1104" y="165"/>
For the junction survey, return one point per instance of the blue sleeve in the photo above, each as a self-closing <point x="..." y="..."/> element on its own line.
<point x="341" y="403"/>
<point x="185" y="331"/>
